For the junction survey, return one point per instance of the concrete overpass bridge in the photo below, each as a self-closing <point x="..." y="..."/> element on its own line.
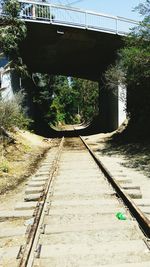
<point x="66" y="41"/>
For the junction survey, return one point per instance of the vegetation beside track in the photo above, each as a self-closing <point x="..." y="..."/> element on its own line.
<point x="18" y="160"/>
<point x="132" y="68"/>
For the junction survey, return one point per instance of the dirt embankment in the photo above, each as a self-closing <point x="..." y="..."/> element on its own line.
<point x="19" y="160"/>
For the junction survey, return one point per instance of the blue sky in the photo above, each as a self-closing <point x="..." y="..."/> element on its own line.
<point x="113" y="7"/>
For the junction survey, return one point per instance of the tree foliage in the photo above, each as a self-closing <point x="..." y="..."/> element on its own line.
<point x="12" y="33"/>
<point x="88" y="96"/>
<point x="11" y="8"/>
<point x="133" y="64"/>
<point x="12" y="114"/>
<point x="63" y="100"/>
<point x="143" y="8"/>
<point x="75" y="100"/>
<point x="41" y="94"/>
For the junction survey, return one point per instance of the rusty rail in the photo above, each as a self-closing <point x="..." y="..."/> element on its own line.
<point x="143" y="221"/>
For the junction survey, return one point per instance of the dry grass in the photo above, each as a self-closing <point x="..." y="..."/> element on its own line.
<point x="19" y="160"/>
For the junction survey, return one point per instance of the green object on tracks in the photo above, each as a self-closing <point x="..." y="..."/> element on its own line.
<point x="121" y="216"/>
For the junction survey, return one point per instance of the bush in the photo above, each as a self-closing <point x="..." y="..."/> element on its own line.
<point x="4" y="166"/>
<point x="12" y="114"/>
<point x="132" y="69"/>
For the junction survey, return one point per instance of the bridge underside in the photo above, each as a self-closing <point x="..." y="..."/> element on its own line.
<point x="69" y="51"/>
<point x="74" y="52"/>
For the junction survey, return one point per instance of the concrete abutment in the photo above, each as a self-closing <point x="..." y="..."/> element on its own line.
<point x="112" y="107"/>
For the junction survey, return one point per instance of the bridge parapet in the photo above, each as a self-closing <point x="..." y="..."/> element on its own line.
<point x="72" y="17"/>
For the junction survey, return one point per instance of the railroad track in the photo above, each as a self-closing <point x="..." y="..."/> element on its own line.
<point x="74" y="202"/>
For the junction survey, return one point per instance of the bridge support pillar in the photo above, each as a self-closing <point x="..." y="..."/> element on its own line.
<point x="10" y="82"/>
<point x="111" y="108"/>
<point x="122" y="104"/>
<point x="6" y="86"/>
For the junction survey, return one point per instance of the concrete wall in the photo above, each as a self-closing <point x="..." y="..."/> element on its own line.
<point x="10" y="83"/>
<point x="122" y="101"/>
<point x="112" y="108"/>
<point x="6" y="89"/>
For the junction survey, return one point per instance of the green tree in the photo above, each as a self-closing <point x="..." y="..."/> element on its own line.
<point x="133" y="69"/>
<point x="87" y="98"/>
<point x="12" y="33"/>
<point x="40" y="91"/>
<point x="59" y="99"/>
<point x="64" y="100"/>
<point x="12" y="113"/>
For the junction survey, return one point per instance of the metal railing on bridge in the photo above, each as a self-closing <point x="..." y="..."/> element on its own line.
<point x="71" y="17"/>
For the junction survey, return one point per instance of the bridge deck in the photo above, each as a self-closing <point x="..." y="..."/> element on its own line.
<point x="73" y="17"/>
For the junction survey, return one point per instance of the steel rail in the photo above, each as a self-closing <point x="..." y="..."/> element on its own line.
<point x="141" y="218"/>
<point x="26" y="253"/>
